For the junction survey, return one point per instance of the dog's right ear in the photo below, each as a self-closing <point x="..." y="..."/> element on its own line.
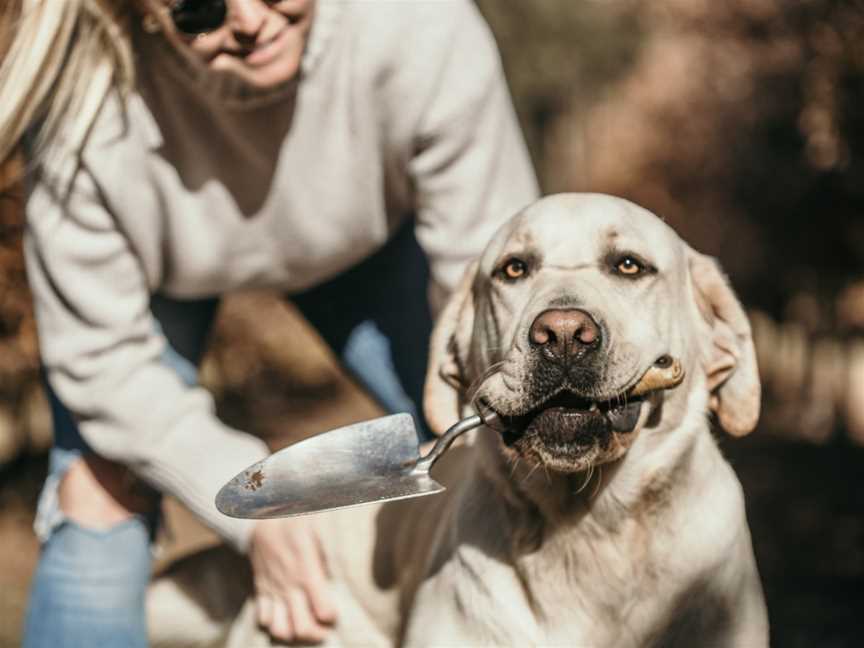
<point x="729" y="356"/>
<point x="446" y="377"/>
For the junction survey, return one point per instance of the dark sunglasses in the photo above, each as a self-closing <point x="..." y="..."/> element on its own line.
<point x="195" y="17"/>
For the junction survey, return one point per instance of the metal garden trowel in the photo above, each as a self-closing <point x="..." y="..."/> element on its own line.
<point x="372" y="461"/>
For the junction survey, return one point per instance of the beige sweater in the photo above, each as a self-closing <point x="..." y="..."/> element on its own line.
<point x="198" y="188"/>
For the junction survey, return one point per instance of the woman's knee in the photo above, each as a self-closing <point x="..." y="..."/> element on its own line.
<point x="98" y="494"/>
<point x="96" y="553"/>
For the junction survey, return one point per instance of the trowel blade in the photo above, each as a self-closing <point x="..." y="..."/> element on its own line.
<point x="371" y="461"/>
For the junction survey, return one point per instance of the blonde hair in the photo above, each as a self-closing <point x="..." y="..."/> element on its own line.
<point x="65" y="58"/>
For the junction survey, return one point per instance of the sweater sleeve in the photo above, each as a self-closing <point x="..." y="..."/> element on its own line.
<point x="102" y="352"/>
<point x="471" y="168"/>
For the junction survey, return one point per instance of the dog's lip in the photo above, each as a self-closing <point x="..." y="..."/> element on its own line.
<point x="569" y="400"/>
<point x="620" y="411"/>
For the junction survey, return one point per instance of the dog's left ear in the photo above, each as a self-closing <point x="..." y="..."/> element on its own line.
<point x="729" y="356"/>
<point x="446" y="381"/>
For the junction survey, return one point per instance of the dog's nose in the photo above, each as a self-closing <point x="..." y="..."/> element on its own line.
<point x="564" y="333"/>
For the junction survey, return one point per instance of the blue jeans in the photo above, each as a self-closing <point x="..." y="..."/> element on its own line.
<point x="89" y="585"/>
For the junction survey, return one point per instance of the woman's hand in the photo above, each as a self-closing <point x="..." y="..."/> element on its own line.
<point x="292" y="597"/>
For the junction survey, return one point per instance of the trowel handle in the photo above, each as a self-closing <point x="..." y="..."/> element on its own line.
<point x="444" y="441"/>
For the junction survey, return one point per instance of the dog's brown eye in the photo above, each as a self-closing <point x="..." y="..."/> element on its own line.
<point x="515" y="269"/>
<point x="629" y="266"/>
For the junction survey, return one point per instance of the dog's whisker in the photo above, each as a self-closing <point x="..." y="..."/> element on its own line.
<point x="508" y="380"/>
<point x="515" y="464"/>
<point x="517" y="344"/>
<point x="599" y="482"/>
<point x="530" y="473"/>
<point x="585" y="483"/>
<point x="488" y="373"/>
<point x="483" y="408"/>
<point x="492" y="349"/>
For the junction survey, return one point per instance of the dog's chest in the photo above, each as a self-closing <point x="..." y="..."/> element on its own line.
<point x="588" y="594"/>
<point x="625" y="581"/>
<point x="624" y="585"/>
<point x="596" y="586"/>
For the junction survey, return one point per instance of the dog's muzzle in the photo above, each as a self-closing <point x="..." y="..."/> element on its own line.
<point x="570" y="419"/>
<point x="568" y="423"/>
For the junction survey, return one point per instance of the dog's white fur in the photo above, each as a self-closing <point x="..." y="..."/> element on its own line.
<point x="647" y="546"/>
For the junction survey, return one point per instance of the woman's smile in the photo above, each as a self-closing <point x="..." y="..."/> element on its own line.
<point x="260" y="42"/>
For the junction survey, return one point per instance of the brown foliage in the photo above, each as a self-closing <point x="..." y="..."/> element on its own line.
<point x="18" y="350"/>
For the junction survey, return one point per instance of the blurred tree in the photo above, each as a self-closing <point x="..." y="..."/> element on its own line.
<point x="741" y="124"/>
<point x="560" y="54"/>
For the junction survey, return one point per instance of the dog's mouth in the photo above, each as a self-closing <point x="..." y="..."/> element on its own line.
<point x="570" y="432"/>
<point x="571" y="420"/>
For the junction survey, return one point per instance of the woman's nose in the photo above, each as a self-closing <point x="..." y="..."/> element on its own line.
<point x="246" y="18"/>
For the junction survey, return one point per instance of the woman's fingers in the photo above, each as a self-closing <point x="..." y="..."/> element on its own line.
<point x="321" y="604"/>
<point x="264" y="610"/>
<point x="316" y="581"/>
<point x="303" y="621"/>
<point x="281" y="627"/>
<point x="289" y="617"/>
<point x="294" y="599"/>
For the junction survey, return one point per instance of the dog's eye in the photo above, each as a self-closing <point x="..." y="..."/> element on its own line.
<point x="515" y="269"/>
<point x="629" y="266"/>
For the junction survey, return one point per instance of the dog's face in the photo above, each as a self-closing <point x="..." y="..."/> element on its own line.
<point x="571" y="303"/>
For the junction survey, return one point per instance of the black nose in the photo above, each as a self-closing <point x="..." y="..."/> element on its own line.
<point x="564" y="333"/>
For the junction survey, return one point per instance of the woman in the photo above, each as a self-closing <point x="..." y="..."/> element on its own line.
<point x="184" y="148"/>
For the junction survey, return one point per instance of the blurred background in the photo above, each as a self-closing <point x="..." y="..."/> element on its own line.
<point x="742" y="124"/>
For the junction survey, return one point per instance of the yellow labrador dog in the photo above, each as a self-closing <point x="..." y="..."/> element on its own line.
<point x="585" y="515"/>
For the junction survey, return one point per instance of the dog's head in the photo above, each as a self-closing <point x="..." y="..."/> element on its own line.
<point x="571" y="304"/>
